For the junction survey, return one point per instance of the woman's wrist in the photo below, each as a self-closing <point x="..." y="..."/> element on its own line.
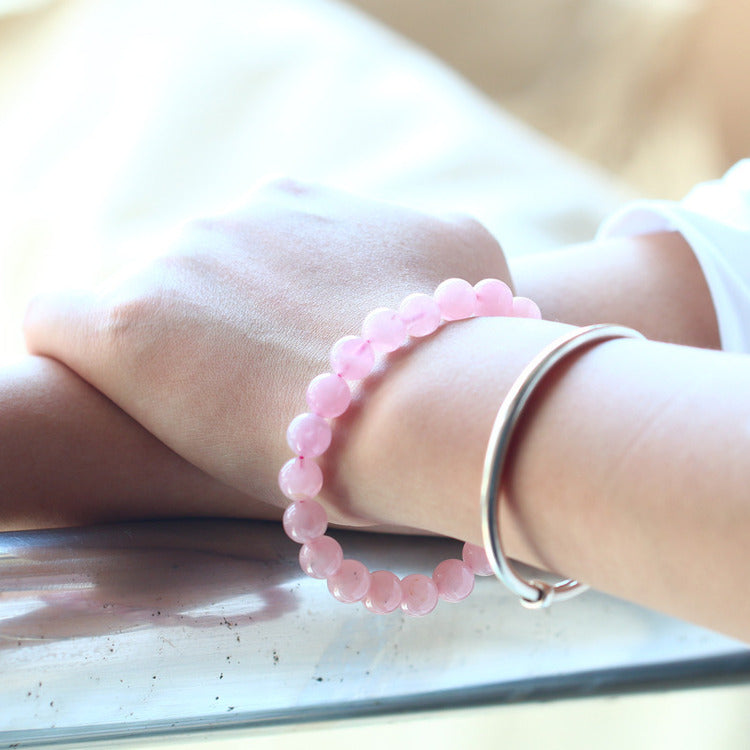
<point x="614" y="478"/>
<point x="453" y="383"/>
<point x="412" y="454"/>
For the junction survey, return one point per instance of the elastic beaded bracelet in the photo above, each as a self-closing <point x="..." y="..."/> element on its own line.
<point x="309" y="435"/>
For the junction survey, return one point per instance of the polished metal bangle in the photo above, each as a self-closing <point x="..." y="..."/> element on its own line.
<point x="534" y="593"/>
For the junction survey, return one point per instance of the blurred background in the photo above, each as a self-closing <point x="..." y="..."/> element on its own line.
<point x="655" y="91"/>
<point x="120" y="118"/>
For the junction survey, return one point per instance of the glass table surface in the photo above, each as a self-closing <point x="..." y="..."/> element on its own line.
<point x="157" y="627"/>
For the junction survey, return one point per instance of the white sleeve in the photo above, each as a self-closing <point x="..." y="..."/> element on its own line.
<point x="714" y="218"/>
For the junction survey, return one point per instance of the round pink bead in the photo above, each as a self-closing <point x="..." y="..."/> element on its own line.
<point x="454" y="580"/>
<point x="352" y="357"/>
<point x="308" y="435"/>
<point x="476" y="558"/>
<point x="305" y="520"/>
<point x="456" y="299"/>
<point x="300" y="479"/>
<point x="420" y="314"/>
<point x="384" y="329"/>
<point x="384" y="594"/>
<point x="350" y="582"/>
<point x="328" y="395"/>
<point x="420" y="595"/>
<point x="321" y="557"/>
<point x="523" y="307"/>
<point x="494" y="298"/>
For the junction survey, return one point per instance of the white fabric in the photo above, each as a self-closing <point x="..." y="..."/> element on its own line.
<point x="715" y="220"/>
<point x="120" y="119"/>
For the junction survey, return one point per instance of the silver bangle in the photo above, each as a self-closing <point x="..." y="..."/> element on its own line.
<point x="534" y="593"/>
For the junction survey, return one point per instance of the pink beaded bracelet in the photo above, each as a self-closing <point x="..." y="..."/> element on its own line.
<point x="309" y="435"/>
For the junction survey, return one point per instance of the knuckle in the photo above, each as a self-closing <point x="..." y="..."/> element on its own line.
<point x="287" y="185"/>
<point x="126" y="324"/>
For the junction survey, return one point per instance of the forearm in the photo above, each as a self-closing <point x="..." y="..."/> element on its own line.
<point x="630" y="474"/>
<point x="652" y="283"/>
<point x="643" y="490"/>
<point x="69" y="456"/>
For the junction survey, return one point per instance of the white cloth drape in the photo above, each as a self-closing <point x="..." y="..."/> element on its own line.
<point x="121" y="119"/>
<point x="715" y="219"/>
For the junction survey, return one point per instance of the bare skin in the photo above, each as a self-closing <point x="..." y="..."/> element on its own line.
<point x="72" y="457"/>
<point x="641" y="443"/>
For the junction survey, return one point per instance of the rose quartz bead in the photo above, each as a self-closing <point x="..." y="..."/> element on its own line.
<point x="523" y="307"/>
<point x="321" y="557"/>
<point x="454" y="580"/>
<point x="352" y="357"/>
<point x="305" y="520"/>
<point x="350" y="582"/>
<point x="476" y="558"/>
<point x="308" y="435"/>
<point x="420" y="314"/>
<point x="384" y="594"/>
<point x="456" y="299"/>
<point x="420" y="595"/>
<point x="328" y="395"/>
<point x="494" y="298"/>
<point x="384" y="329"/>
<point x="300" y="479"/>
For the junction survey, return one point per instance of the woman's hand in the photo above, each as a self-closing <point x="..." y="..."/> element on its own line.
<point x="211" y="345"/>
